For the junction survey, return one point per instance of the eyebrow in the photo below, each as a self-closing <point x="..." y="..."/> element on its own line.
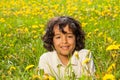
<point x="65" y="33"/>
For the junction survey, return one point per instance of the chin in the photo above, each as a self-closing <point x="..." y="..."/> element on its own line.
<point x="65" y="53"/>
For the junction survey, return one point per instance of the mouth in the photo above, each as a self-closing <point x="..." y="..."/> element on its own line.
<point x="65" y="47"/>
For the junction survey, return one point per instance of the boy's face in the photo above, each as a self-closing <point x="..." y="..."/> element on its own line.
<point x="64" y="43"/>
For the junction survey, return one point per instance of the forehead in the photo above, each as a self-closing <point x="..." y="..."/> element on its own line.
<point x="66" y="29"/>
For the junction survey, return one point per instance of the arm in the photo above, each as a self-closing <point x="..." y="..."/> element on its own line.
<point x="43" y="64"/>
<point x="87" y="62"/>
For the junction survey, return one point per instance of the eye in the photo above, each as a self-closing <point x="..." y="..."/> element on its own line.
<point x="70" y="36"/>
<point x="57" y="37"/>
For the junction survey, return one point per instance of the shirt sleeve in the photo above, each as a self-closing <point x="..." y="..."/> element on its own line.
<point x="43" y="64"/>
<point x="91" y="65"/>
<point x="88" y="63"/>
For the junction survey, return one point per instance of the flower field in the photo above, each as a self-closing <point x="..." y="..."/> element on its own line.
<point x="22" y="23"/>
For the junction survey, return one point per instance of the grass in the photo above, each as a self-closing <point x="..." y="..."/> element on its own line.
<point x="22" y="24"/>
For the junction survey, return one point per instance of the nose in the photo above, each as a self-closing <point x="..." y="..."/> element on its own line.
<point x="64" y="39"/>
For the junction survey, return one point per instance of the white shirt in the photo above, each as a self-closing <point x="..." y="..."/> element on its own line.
<point x="52" y="65"/>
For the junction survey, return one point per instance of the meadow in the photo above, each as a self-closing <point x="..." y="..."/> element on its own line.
<point x="23" y="22"/>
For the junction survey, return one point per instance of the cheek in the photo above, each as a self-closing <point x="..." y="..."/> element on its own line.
<point x="56" y="42"/>
<point x="72" y="42"/>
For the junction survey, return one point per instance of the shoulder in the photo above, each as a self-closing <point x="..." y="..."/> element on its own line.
<point x="84" y="50"/>
<point x="47" y="55"/>
<point x="47" y="59"/>
<point x="84" y="53"/>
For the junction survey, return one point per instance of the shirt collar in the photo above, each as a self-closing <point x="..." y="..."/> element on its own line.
<point x="73" y="61"/>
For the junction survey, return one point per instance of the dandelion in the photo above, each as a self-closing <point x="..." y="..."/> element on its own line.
<point x="111" y="68"/>
<point x="33" y="49"/>
<point x="35" y="36"/>
<point x="51" y="78"/>
<point x="46" y="77"/>
<point x="9" y="35"/>
<point x="36" y="77"/>
<point x="76" y="54"/>
<point x="29" y="67"/>
<point x="34" y="31"/>
<point x="34" y="26"/>
<point x="12" y="68"/>
<point x="89" y="35"/>
<point x="86" y="60"/>
<point x="100" y="34"/>
<point x="112" y="47"/>
<point x="26" y="30"/>
<point x="109" y="39"/>
<point x="5" y="35"/>
<point x="114" y="55"/>
<point x="43" y="32"/>
<point x="11" y="45"/>
<point x="2" y="20"/>
<point x="84" y="24"/>
<point x="95" y="24"/>
<point x="115" y="43"/>
<point x="9" y="72"/>
<point x="41" y="26"/>
<point x="3" y="76"/>
<point x="96" y="30"/>
<point x="115" y="15"/>
<point x="5" y="57"/>
<point x="109" y="77"/>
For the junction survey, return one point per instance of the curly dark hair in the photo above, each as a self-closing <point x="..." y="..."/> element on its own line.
<point x="61" y="22"/>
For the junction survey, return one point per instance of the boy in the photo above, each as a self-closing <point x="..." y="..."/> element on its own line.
<point x="65" y="41"/>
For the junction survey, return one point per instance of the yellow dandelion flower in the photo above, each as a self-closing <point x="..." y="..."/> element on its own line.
<point x="86" y="60"/>
<point x="3" y="76"/>
<point x="41" y="26"/>
<point x="45" y="77"/>
<point x="76" y="54"/>
<point x="33" y="49"/>
<point x="96" y="30"/>
<point x="114" y="42"/>
<point x="89" y="35"/>
<point x="112" y="47"/>
<point x="29" y="67"/>
<point x="36" y="77"/>
<point x="9" y="72"/>
<point x="11" y="45"/>
<point x="114" y="55"/>
<point x="34" y="31"/>
<point x="12" y="68"/>
<point x="9" y="35"/>
<point x="5" y="35"/>
<point x="5" y="57"/>
<point x="109" y="77"/>
<point x="109" y="39"/>
<point x="34" y="26"/>
<point x="43" y="32"/>
<point x="115" y="15"/>
<point x="100" y="34"/>
<point x="111" y="67"/>
<point x="51" y="78"/>
<point x="84" y="24"/>
<point x="26" y="30"/>
<point x="95" y="24"/>
<point x="2" y="20"/>
<point x="35" y="36"/>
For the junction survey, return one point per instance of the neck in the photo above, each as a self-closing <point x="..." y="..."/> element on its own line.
<point x="64" y="59"/>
